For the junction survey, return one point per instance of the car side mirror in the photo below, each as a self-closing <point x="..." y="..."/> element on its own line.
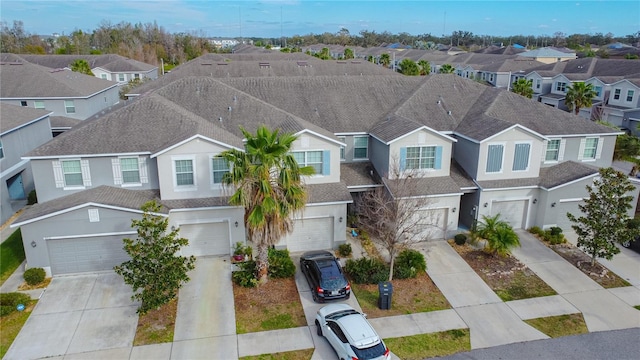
<point x="365" y="315"/>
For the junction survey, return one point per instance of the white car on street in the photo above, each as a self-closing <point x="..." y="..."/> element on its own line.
<point x="350" y="334"/>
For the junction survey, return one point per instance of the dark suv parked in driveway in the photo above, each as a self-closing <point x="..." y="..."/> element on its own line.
<point x="325" y="276"/>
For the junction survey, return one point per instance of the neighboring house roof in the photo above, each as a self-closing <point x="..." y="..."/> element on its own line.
<point x="109" y="62"/>
<point x="547" y="52"/>
<point x="21" y="80"/>
<point x="63" y="122"/>
<point x="497" y="50"/>
<point x="549" y="177"/>
<point x="328" y="193"/>
<point x="422" y="186"/>
<point x="14" y="117"/>
<point x="100" y="195"/>
<point x="585" y="68"/>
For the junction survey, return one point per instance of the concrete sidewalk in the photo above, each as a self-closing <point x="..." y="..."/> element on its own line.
<point x="602" y="309"/>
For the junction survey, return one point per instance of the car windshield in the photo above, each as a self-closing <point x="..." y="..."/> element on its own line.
<point x="372" y="352"/>
<point x="333" y="283"/>
<point x="331" y="276"/>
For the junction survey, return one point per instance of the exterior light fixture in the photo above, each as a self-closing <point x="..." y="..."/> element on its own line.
<point x="236" y="224"/>
<point x="486" y="204"/>
<point x="454" y="209"/>
<point x="33" y="244"/>
<point x="340" y="219"/>
<point x="553" y="204"/>
<point x="535" y="201"/>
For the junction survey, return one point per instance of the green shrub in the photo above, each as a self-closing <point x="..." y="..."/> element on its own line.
<point x="6" y="310"/>
<point x="367" y="270"/>
<point x="345" y="250"/>
<point x="246" y="277"/>
<point x="555" y="230"/>
<point x="553" y="239"/>
<point x="32" y="198"/>
<point x="460" y="239"/>
<point x="409" y="263"/>
<point x="536" y="230"/>
<point x="13" y="299"/>
<point x="34" y="276"/>
<point x="280" y="264"/>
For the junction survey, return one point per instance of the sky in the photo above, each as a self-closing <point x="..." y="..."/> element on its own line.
<point x="276" y="18"/>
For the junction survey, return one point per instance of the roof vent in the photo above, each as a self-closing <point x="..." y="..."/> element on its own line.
<point x="449" y="112"/>
<point x="235" y="98"/>
<point x="229" y="108"/>
<point x="438" y="102"/>
<point x="264" y="64"/>
<point x="220" y="119"/>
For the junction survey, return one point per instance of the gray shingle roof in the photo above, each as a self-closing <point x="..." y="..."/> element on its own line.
<point x="358" y="174"/>
<point x="585" y="68"/>
<point x="393" y="127"/>
<point x="422" y="186"/>
<point x="105" y="195"/>
<point x="63" y="122"/>
<point x="110" y="62"/>
<point x="13" y="116"/>
<point x="550" y="177"/>
<point x="329" y="192"/>
<point x="26" y="80"/>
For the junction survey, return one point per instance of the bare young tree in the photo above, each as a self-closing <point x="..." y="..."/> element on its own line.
<point x="397" y="215"/>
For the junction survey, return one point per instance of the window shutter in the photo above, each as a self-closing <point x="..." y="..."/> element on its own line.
<point x="86" y="173"/>
<point x="521" y="157"/>
<point x="599" y="148"/>
<point x="142" y="164"/>
<point x="326" y="162"/>
<point x="545" y="143"/>
<point x="57" y="173"/>
<point x="563" y="143"/>
<point x="583" y="142"/>
<point x="403" y="158"/>
<point x="117" y="174"/>
<point x="438" y="162"/>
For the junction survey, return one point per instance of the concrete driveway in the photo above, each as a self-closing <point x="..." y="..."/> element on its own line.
<point x="77" y="314"/>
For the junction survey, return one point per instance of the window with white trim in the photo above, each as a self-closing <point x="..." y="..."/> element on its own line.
<point x="219" y="167"/>
<point x="423" y="157"/>
<point x="342" y="148"/>
<point x="521" y="157"/>
<point x="590" y="149"/>
<point x="1" y="150"/>
<point x="130" y="170"/>
<point x="38" y="104"/>
<point x="136" y="76"/>
<point x="103" y="76"/>
<point x="561" y="86"/>
<point x="629" y="95"/>
<point x="120" y="77"/>
<point x="553" y="150"/>
<point x="69" y="107"/>
<point x="360" y="147"/>
<point x="538" y="82"/>
<point x="310" y="158"/>
<point x="94" y="215"/>
<point x="184" y="172"/>
<point x="494" y="158"/>
<point x="616" y="94"/>
<point x="23" y="103"/>
<point x="72" y="172"/>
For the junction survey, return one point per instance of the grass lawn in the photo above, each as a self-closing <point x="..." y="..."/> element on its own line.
<point x="274" y="305"/>
<point x="10" y="326"/>
<point x="430" y="345"/>
<point x="289" y="355"/>
<point x="409" y="296"/>
<point x="157" y="326"/>
<point x="563" y="325"/>
<point x="11" y="255"/>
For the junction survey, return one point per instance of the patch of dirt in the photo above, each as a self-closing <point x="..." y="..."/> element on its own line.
<point x="157" y="326"/>
<point x="599" y="273"/>
<point x="507" y="276"/>
<point x="42" y="285"/>
<point x="254" y="306"/>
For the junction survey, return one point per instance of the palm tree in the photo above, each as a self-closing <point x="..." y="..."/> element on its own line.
<point x="268" y="185"/>
<point x="446" y="69"/>
<point x="523" y="87"/>
<point x="502" y="241"/>
<point x="489" y="225"/>
<point x="385" y="60"/>
<point x="425" y="67"/>
<point x="579" y="95"/>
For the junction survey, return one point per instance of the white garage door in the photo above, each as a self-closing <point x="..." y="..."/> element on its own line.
<point x="206" y="239"/>
<point x="311" y="234"/>
<point x="85" y="254"/>
<point x="432" y="223"/>
<point x="564" y="208"/>
<point x="513" y="212"/>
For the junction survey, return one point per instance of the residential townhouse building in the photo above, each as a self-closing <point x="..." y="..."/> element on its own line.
<point x="21" y="130"/>
<point x="110" y="67"/>
<point x="60" y="91"/>
<point x="480" y="151"/>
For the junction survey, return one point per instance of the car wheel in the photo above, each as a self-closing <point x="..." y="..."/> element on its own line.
<point x="314" y="296"/>
<point x="627" y="244"/>
<point x="319" y="329"/>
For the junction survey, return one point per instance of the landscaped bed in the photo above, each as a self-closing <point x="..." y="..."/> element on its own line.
<point x="11" y="324"/>
<point x="274" y="305"/>
<point x="157" y="326"/>
<point x="430" y="345"/>
<point x="562" y="325"/>
<point x="409" y="296"/>
<point x="508" y="277"/>
<point x="599" y="273"/>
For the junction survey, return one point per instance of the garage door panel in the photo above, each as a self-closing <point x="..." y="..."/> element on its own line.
<point x="311" y="234"/>
<point x="512" y="212"/>
<point x="564" y="208"/>
<point x="207" y="239"/>
<point x="86" y="254"/>
<point x="431" y="224"/>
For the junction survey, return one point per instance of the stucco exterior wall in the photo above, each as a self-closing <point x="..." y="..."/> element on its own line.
<point x="509" y="139"/>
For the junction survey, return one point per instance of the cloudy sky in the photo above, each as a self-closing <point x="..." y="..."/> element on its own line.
<point x="273" y="18"/>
